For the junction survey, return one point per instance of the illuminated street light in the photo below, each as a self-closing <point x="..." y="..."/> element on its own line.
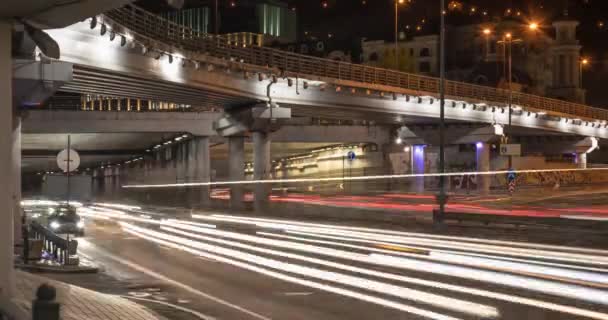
<point x="533" y="26"/>
<point x="508" y="41"/>
<point x="583" y="62"/>
<point x="487" y="32"/>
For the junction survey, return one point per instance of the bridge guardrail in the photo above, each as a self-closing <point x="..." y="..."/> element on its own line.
<point x="145" y="23"/>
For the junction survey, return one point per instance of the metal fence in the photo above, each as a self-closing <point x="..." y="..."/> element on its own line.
<point x="60" y="248"/>
<point x="159" y="29"/>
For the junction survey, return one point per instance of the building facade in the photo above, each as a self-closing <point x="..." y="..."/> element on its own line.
<point x="544" y="61"/>
<point x="418" y="55"/>
<point x="272" y="19"/>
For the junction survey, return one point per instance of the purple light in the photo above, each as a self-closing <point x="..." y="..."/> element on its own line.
<point x="418" y="159"/>
<point x="479" y="145"/>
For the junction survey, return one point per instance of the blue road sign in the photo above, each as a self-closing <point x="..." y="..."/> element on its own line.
<point x="511" y="175"/>
<point x="351" y="155"/>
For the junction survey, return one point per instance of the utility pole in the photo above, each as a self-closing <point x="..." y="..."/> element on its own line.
<point x="442" y="194"/>
<point x="216" y="19"/>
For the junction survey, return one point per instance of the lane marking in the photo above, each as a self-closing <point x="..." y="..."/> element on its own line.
<point x="163" y="278"/>
<point x="174" y="306"/>
<point x="403" y="249"/>
<point x="289" y="294"/>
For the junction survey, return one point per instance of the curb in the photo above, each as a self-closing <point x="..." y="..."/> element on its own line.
<point x="51" y="269"/>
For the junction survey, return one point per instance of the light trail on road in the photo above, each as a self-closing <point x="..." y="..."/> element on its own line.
<point x="419" y="242"/>
<point x="393" y="269"/>
<point x="357" y="178"/>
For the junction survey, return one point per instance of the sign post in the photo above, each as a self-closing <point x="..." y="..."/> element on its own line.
<point x="68" y="160"/>
<point x="350" y="156"/>
<point x="511" y="176"/>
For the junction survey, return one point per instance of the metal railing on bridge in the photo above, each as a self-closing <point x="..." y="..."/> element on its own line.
<point x="156" y="28"/>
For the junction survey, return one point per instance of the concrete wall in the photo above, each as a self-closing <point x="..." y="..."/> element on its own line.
<point x="55" y="187"/>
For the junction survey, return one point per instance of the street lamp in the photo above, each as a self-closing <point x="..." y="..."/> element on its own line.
<point x="533" y="26"/>
<point x="583" y="63"/>
<point x="397" y="3"/>
<point x="487" y="32"/>
<point x="508" y="40"/>
<point x="442" y="194"/>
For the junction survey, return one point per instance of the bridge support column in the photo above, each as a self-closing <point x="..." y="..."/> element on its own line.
<point x="417" y="153"/>
<point x="261" y="169"/>
<point x="482" y="156"/>
<point x="201" y="163"/>
<point x="17" y="179"/>
<point x="236" y="167"/>
<point x="7" y="284"/>
<point x="116" y="185"/>
<point x="581" y="160"/>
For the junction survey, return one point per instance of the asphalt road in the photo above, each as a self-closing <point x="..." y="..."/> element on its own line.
<point x="231" y="267"/>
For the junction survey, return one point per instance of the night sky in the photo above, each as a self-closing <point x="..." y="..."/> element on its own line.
<point x="373" y="19"/>
<point x="345" y="22"/>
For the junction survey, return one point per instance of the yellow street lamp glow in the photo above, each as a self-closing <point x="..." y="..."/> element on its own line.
<point x="533" y="26"/>
<point x="401" y="1"/>
<point x="585" y="62"/>
<point x="487" y="31"/>
<point x="508" y="35"/>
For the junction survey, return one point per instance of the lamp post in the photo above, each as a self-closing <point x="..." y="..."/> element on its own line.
<point x="487" y="32"/>
<point x="442" y="194"/>
<point x="216" y="18"/>
<point x="584" y="62"/>
<point x="508" y="41"/>
<point x="397" y="3"/>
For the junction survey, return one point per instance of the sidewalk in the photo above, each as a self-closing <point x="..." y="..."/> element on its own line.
<point x="79" y="303"/>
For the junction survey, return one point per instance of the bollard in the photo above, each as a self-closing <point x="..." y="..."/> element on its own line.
<point x="45" y="307"/>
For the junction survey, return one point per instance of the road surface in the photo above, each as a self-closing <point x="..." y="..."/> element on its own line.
<point x="236" y="267"/>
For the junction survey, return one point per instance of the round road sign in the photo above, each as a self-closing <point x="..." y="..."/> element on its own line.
<point x="351" y="155"/>
<point x="62" y="160"/>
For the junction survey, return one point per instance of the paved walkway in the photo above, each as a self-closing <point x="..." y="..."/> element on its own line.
<point x="78" y="303"/>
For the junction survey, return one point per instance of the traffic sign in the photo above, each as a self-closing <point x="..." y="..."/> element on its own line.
<point x="510" y="149"/>
<point x="62" y="160"/>
<point x="511" y="186"/>
<point x="351" y="155"/>
<point x="511" y="176"/>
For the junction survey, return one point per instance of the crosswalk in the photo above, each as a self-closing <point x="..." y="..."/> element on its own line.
<point x="424" y="276"/>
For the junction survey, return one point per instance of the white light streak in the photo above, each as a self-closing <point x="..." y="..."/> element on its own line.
<point x="526" y="283"/>
<point x="492" y="295"/>
<point x="165" y="239"/>
<point x="28" y="203"/>
<point x="360" y="258"/>
<point x="404" y="293"/>
<point x="117" y="206"/>
<point x="359" y="178"/>
<point x="432" y="254"/>
<point x="552" y="248"/>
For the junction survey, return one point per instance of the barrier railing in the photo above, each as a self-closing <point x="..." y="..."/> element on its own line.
<point x="60" y="248"/>
<point x="152" y="26"/>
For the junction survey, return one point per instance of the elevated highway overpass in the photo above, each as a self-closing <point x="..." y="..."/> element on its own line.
<point x="161" y="60"/>
<point x="130" y="53"/>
